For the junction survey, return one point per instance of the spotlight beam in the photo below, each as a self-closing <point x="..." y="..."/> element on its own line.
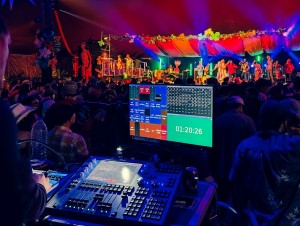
<point x="86" y="20"/>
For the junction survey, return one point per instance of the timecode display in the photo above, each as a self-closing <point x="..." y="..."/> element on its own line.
<point x="192" y="130"/>
<point x="187" y="129"/>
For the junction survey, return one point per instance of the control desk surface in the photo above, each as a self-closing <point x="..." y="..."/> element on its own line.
<point x="117" y="192"/>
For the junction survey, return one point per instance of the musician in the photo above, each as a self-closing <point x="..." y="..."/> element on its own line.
<point x="205" y="74"/>
<point x="86" y="58"/>
<point x="245" y="69"/>
<point x="218" y="69"/>
<point x="223" y="69"/>
<point x="128" y="65"/>
<point x="231" y="67"/>
<point x="75" y="65"/>
<point x="98" y="68"/>
<point x="269" y="68"/>
<point x="53" y="64"/>
<point x="120" y="64"/>
<point x="200" y="70"/>
<point x="206" y="70"/>
<point x="170" y="69"/>
<point x="289" y="68"/>
<point x="257" y="70"/>
<point x="277" y="70"/>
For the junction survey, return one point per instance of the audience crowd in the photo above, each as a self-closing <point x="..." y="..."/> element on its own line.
<point x="255" y="159"/>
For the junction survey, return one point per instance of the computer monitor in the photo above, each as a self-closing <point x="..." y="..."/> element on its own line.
<point x="174" y="113"/>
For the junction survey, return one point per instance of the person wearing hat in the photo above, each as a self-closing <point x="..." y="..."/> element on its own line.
<point x="266" y="173"/>
<point x="230" y="128"/>
<point x="23" y="193"/>
<point x="71" y="145"/>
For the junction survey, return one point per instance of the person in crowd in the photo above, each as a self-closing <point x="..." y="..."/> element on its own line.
<point x="25" y="118"/>
<point x="46" y="100"/>
<point x="266" y="172"/>
<point x="263" y="86"/>
<point x="70" y="96"/>
<point x="24" y="194"/>
<point x="293" y="121"/>
<point x="230" y="128"/>
<point x="288" y="69"/>
<point x="5" y="90"/>
<point x="296" y="88"/>
<point x="269" y="68"/>
<point x="61" y="138"/>
<point x="276" y="93"/>
<point x="255" y="97"/>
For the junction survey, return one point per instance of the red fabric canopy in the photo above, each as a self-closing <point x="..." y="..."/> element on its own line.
<point x="193" y="47"/>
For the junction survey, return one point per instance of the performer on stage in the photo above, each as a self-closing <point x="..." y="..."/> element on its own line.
<point x="75" y="65"/>
<point x="206" y="74"/>
<point x="129" y="63"/>
<point x="86" y="67"/>
<point x="277" y="70"/>
<point x="221" y="70"/>
<point x="218" y="68"/>
<point x="257" y="70"/>
<point x="206" y="70"/>
<point x="53" y="64"/>
<point x="269" y="68"/>
<point x="98" y="69"/>
<point x="245" y="70"/>
<point x="200" y="69"/>
<point x="289" y="68"/>
<point x="177" y="64"/>
<point x="170" y="69"/>
<point x="120" y="65"/>
<point x="231" y="68"/>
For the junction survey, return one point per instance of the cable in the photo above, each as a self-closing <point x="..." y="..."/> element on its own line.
<point x="47" y="146"/>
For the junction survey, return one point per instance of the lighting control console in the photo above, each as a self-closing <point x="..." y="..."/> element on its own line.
<point x="116" y="192"/>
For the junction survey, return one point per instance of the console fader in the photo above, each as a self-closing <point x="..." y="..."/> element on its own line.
<point x="116" y="192"/>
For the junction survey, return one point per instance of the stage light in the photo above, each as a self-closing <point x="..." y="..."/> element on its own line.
<point x="191" y="69"/>
<point x="252" y="65"/>
<point x="119" y="148"/>
<point x="265" y="65"/>
<point x="258" y="58"/>
<point x="159" y="63"/>
<point x="210" y="68"/>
